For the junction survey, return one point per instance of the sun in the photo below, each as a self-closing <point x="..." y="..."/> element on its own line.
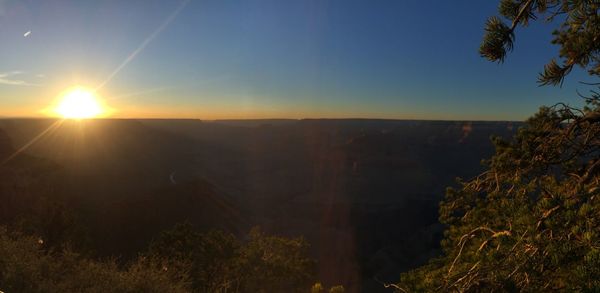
<point x="79" y="103"/>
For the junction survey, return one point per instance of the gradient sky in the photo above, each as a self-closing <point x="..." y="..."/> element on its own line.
<point x="213" y="59"/>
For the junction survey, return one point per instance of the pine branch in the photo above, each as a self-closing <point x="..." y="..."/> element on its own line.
<point x="522" y="11"/>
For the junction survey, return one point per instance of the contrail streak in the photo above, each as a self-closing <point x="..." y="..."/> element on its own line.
<point x="145" y="43"/>
<point x="52" y="127"/>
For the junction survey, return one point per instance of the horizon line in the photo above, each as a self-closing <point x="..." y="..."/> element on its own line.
<point x="260" y="119"/>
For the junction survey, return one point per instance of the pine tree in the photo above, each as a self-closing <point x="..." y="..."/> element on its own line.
<point x="531" y="221"/>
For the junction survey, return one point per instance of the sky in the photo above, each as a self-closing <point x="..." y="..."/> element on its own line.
<point x="221" y="59"/>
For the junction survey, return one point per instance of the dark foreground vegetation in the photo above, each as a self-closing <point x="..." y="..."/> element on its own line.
<point x="179" y="260"/>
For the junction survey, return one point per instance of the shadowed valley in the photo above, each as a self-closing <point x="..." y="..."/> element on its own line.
<point x="364" y="193"/>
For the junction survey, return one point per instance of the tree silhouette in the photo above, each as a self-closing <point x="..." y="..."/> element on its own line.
<point x="531" y="221"/>
<point x="578" y="35"/>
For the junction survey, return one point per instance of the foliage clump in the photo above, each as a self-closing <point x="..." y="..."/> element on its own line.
<point x="219" y="262"/>
<point x="318" y="288"/>
<point x="25" y="266"/>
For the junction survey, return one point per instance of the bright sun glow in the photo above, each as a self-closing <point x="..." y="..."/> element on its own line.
<point x="79" y="103"/>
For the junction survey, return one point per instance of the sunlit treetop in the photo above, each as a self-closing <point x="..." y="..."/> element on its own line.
<point x="578" y="35"/>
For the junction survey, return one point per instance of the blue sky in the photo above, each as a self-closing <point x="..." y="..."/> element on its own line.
<point x="271" y="58"/>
